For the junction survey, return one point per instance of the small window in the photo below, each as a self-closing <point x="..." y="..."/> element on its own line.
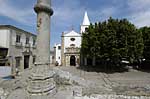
<point x="59" y="47"/>
<point x="27" y="40"/>
<point x="72" y="39"/>
<point x="34" y="41"/>
<point x="18" y="37"/>
<point x="86" y="29"/>
<point x="72" y="45"/>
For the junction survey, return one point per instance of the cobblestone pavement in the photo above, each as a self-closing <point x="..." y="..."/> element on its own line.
<point x="126" y="83"/>
<point x="112" y="97"/>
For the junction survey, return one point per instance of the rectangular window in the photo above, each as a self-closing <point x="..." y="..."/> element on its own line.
<point x="27" y="40"/>
<point x="18" y="37"/>
<point x="59" y="47"/>
<point x="34" y="41"/>
<point x="18" y="62"/>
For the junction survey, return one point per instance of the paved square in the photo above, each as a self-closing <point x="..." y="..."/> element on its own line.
<point x="127" y="83"/>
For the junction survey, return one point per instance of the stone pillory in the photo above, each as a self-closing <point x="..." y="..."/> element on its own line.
<point x="43" y="6"/>
<point x="44" y="11"/>
<point x="41" y="80"/>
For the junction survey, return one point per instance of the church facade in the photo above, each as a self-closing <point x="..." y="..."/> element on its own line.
<point x="71" y="45"/>
<point x="70" y="51"/>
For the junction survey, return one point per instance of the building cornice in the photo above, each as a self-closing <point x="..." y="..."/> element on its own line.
<point x="15" y="28"/>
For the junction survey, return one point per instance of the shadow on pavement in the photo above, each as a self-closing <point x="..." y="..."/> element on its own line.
<point x="103" y="69"/>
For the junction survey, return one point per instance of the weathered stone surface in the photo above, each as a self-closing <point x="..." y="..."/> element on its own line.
<point x="64" y="77"/>
<point x="44" y="11"/>
<point x="69" y="88"/>
<point x="41" y="81"/>
<point x="1" y="91"/>
<point x="18" y="94"/>
<point x="77" y="91"/>
<point x="111" y="97"/>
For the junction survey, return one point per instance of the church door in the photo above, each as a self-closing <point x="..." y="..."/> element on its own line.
<point x="72" y="60"/>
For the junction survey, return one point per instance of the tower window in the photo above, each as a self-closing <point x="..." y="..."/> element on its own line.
<point x="59" y="47"/>
<point x="86" y="29"/>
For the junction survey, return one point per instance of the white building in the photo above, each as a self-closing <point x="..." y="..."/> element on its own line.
<point x="52" y="56"/>
<point x="71" y="44"/>
<point x="57" y="53"/>
<point x="17" y="47"/>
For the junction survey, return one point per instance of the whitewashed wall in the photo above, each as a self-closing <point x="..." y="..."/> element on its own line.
<point x="58" y="54"/>
<point x="68" y="42"/>
<point x="23" y="38"/>
<point x="4" y="38"/>
<point x="83" y="27"/>
<point x="13" y="36"/>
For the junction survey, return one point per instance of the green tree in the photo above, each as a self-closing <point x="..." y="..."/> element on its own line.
<point x="113" y="40"/>
<point x="146" y="40"/>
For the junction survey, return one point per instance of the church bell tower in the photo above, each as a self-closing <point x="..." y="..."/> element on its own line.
<point x="85" y="23"/>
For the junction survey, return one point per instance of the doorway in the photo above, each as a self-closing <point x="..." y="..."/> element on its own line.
<point x="72" y="60"/>
<point x="26" y="61"/>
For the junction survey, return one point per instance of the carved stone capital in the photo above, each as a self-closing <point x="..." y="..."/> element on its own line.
<point x="43" y="8"/>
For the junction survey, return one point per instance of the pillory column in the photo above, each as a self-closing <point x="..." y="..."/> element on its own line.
<point x="41" y="80"/>
<point x="44" y="12"/>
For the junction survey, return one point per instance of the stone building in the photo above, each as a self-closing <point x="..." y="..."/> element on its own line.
<point x="17" y="48"/>
<point x="71" y="44"/>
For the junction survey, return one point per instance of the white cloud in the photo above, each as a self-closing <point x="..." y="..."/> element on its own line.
<point x="141" y="19"/>
<point x="68" y="11"/>
<point x="24" y="16"/>
<point x="138" y="4"/>
<point x="104" y="13"/>
<point x="140" y="12"/>
<point x="71" y="12"/>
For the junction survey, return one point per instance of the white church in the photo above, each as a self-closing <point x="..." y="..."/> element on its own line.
<point x="68" y="52"/>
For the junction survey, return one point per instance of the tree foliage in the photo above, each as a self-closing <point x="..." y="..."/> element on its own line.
<point x="146" y="40"/>
<point x="113" y="40"/>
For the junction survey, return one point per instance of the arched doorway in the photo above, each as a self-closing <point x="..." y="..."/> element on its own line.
<point x="72" y="60"/>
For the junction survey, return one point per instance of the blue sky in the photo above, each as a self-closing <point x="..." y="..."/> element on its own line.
<point x="68" y="13"/>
